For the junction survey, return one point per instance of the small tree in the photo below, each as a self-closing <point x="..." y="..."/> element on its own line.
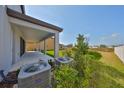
<point x="77" y="73"/>
<point x="81" y="45"/>
<point x="81" y="61"/>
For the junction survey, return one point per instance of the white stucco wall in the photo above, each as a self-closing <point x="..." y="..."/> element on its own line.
<point x="15" y="7"/>
<point x="5" y="41"/>
<point x="119" y="51"/>
<point x="17" y="33"/>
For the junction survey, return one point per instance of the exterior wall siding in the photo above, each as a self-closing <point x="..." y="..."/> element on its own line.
<point x="36" y="46"/>
<point x="31" y="46"/>
<point x="50" y="44"/>
<point x="119" y="51"/>
<point x="5" y="41"/>
<point x="16" y="44"/>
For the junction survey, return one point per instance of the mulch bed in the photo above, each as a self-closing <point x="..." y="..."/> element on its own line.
<point x="10" y="75"/>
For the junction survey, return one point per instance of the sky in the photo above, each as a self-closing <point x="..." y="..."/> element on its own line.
<point x="100" y="24"/>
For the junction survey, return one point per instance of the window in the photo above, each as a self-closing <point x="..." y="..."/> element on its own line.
<point x="22" y="46"/>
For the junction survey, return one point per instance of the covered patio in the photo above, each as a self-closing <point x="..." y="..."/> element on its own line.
<point x="29" y="58"/>
<point x="30" y="30"/>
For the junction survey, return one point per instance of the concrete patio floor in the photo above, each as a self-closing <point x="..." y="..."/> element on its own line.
<point x="30" y="57"/>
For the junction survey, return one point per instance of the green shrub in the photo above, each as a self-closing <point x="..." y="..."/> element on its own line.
<point x="66" y="77"/>
<point x="94" y="55"/>
<point x="67" y="52"/>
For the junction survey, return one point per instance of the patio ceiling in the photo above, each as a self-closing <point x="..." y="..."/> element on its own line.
<point x="32" y="35"/>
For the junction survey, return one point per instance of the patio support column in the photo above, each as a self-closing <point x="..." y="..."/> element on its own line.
<point x="40" y="46"/>
<point x="56" y="45"/>
<point x="44" y="46"/>
<point x="37" y="46"/>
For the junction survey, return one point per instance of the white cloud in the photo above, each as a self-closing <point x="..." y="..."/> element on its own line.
<point x="112" y="36"/>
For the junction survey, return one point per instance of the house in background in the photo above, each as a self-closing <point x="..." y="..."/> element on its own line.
<point x="18" y="30"/>
<point x="61" y="46"/>
<point x="69" y="46"/>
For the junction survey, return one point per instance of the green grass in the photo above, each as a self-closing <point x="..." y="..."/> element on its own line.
<point x="109" y="58"/>
<point x="109" y="72"/>
<point x="51" y="53"/>
<point x="105" y="76"/>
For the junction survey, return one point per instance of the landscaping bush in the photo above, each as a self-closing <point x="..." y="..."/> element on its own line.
<point x="66" y="77"/>
<point x="94" y="55"/>
<point x="67" y="52"/>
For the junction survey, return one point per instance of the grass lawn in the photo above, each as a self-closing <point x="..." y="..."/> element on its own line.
<point x="51" y="53"/>
<point x="109" y="58"/>
<point x="105" y="76"/>
<point x="109" y="72"/>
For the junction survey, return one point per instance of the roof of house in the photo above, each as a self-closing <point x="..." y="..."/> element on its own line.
<point x="27" y="18"/>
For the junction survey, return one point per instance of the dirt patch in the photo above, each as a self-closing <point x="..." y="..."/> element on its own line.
<point x="10" y="75"/>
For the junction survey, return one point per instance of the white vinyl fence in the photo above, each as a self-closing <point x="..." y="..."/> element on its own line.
<point x="119" y="51"/>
